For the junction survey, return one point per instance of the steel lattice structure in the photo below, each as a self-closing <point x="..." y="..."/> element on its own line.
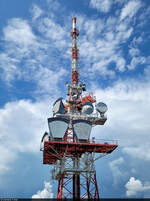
<point x="68" y="146"/>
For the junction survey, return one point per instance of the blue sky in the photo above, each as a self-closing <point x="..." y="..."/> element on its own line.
<point x="35" y="63"/>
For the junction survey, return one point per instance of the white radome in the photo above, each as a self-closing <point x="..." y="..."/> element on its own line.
<point x="101" y="107"/>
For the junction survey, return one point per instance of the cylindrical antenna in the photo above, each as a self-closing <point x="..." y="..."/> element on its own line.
<point x="74" y="49"/>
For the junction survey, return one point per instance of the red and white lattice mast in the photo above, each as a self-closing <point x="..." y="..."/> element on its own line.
<point x="74" y="34"/>
<point x="68" y="146"/>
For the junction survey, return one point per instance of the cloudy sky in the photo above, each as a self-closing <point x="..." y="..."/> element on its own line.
<point x="35" y="62"/>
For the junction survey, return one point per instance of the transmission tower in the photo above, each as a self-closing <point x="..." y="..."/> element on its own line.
<point x="68" y="146"/>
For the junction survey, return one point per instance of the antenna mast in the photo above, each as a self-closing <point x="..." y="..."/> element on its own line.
<point x="74" y="34"/>
<point x="68" y="145"/>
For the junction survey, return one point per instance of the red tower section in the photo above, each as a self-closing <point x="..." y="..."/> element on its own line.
<point x="68" y="146"/>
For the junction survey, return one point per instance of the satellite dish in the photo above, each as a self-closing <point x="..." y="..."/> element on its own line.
<point x="58" y="107"/>
<point x="87" y="108"/>
<point x="101" y="107"/>
<point x="44" y="138"/>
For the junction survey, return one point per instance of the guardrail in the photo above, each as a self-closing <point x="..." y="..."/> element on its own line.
<point x="103" y="141"/>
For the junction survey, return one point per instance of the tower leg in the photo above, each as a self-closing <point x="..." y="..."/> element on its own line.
<point x="76" y="187"/>
<point x="92" y="187"/>
<point x="87" y="187"/>
<point x="96" y="187"/>
<point x="76" y="180"/>
<point x="60" y="187"/>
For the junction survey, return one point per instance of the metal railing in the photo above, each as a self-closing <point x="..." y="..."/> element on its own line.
<point x="103" y="141"/>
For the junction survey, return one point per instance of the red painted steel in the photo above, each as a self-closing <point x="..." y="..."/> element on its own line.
<point x="58" y="152"/>
<point x="88" y="98"/>
<point x="75" y="53"/>
<point x="54" y="150"/>
<point x="60" y="187"/>
<point x="75" y="78"/>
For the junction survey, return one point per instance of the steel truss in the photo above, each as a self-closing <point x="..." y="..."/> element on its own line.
<point x="73" y="165"/>
<point x="77" y="177"/>
<point x="68" y="146"/>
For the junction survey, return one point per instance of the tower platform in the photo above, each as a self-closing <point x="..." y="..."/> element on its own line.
<point x="55" y="150"/>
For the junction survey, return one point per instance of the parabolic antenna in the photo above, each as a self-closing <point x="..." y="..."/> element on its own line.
<point x="101" y="107"/>
<point x="58" y="107"/>
<point x="87" y="108"/>
<point x="44" y="138"/>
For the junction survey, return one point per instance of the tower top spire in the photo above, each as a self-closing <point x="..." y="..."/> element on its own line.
<point x="75" y="53"/>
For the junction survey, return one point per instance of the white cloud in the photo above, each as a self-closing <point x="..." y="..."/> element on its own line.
<point x="101" y="5"/>
<point x="137" y="40"/>
<point x="23" y="123"/>
<point x="36" y="12"/>
<point x="91" y="27"/>
<point x="135" y="186"/>
<point x="134" y="51"/>
<point x="7" y="157"/>
<point x="128" y="121"/>
<point x="8" y="66"/>
<point x="115" y="167"/>
<point x="47" y="79"/>
<point x="120" y="63"/>
<point x="103" y="39"/>
<point x="130" y="9"/>
<point x="128" y="116"/>
<point x="54" y="6"/>
<point x="135" y="62"/>
<point x="19" y="32"/>
<point x="123" y="36"/>
<point x="25" y="55"/>
<point x="101" y="67"/>
<point x="139" y="152"/>
<point x="45" y="193"/>
<point x="22" y="126"/>
<point x="51" y="29"/>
